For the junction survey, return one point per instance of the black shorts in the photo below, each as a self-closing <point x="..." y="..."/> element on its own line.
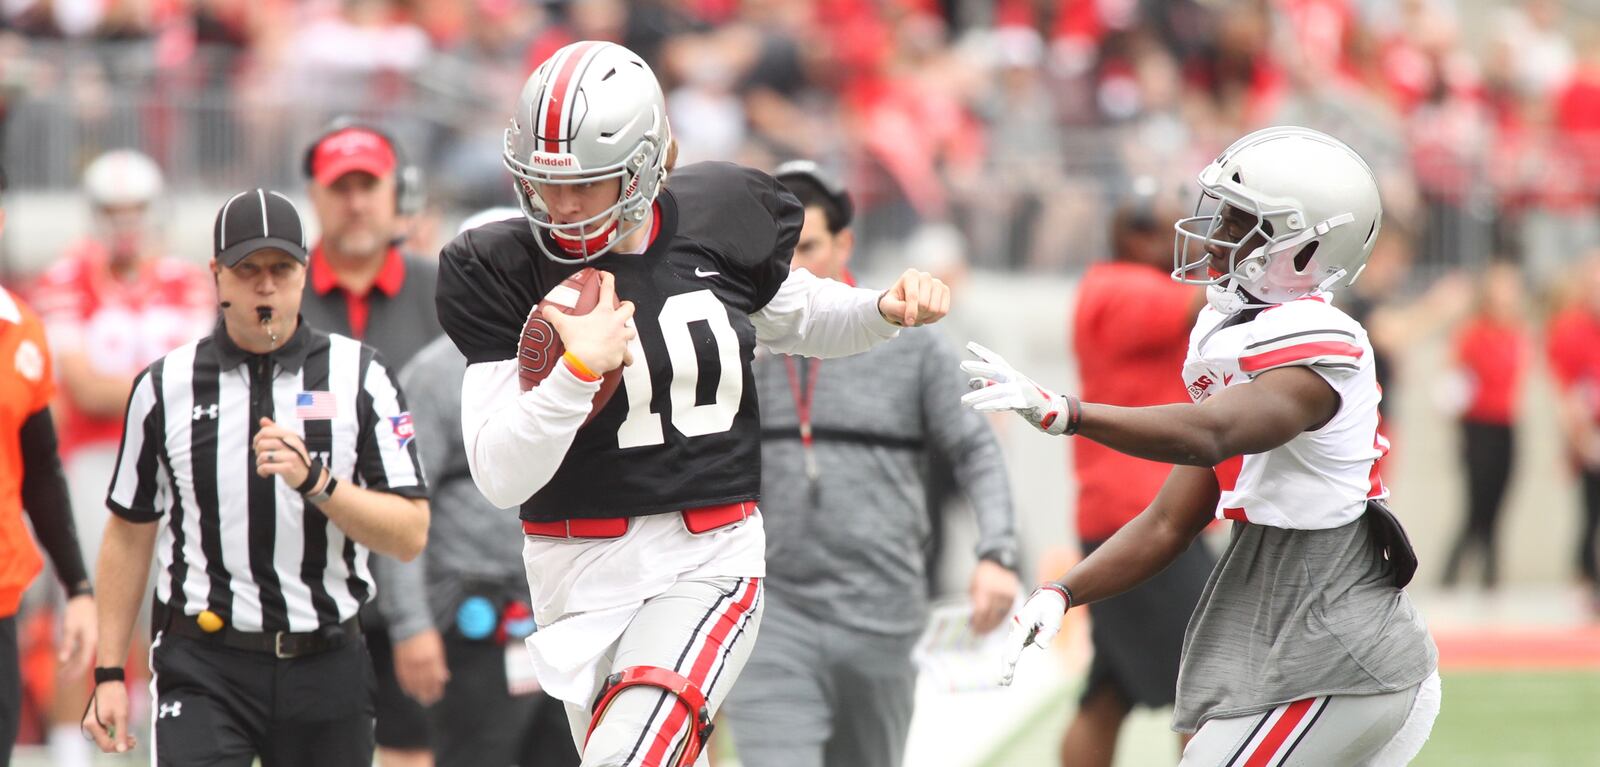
<point x="402" y="721"/>
<point x="221" y="706"/>
<point x="1138" y="635"/>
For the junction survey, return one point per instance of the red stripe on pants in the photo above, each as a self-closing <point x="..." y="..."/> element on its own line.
<point x="1279" y="733"/>
<point x="701" y="669"/>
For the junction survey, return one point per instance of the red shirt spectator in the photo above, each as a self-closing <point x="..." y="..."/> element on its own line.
<point x="1577" y="119"/>
<point x="1494" y="353"/>
<point x="119" y="326"/>
<point x="1130" y="335"/>
<point x="1574" y="349"/>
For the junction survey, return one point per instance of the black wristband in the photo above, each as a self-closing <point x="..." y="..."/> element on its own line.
<point x="81" y="589"/>
<point x="103" y="674"/>
<point x="1074" y="414"/>
<point x="313" y="476"/>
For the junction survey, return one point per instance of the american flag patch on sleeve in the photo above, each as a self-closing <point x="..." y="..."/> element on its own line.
<point x="315" y="406"/>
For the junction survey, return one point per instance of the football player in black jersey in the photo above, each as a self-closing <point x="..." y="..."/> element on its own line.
<point x="643" y="545"/>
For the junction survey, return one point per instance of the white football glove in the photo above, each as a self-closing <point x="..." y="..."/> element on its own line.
<point x="997" y="386"/>
<point x="1035" y="624"/>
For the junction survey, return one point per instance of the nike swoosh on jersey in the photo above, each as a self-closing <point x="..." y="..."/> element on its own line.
<point x="700" y="273"/>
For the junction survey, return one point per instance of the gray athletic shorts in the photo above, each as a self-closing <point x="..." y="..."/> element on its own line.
<point x="1384" y="730"/>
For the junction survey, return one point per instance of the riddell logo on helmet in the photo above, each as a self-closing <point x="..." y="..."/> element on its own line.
<point x="553" y="160"/>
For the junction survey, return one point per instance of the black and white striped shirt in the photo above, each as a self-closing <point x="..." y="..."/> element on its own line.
<point x="244" y="546"/>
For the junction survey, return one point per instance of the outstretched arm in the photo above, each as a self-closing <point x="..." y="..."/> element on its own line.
<point x="1254" y="418"/>
<point x="818" y="317"/>
<point x="1270" y="410"/>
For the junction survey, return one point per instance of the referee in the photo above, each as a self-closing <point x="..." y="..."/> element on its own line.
<point x="260" y="463"/>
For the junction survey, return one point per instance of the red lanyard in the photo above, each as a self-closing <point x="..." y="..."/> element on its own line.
<point x="803" y="397"/>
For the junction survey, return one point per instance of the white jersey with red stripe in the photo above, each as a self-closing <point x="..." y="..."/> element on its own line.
<point x="1322" y="478"/>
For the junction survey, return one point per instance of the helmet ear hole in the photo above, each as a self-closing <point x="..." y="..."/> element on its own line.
<point x="1303" y="258"/>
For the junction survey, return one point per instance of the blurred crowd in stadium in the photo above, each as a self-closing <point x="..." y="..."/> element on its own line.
<point x="1014" y="121"/>
<point x="996" y="135"/>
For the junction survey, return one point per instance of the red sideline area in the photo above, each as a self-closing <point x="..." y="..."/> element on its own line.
<point x="1500" y="649"/>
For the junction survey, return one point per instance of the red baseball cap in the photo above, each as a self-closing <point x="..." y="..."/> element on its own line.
<point x="349" y="150"/>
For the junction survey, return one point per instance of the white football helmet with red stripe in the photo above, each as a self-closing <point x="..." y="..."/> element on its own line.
<point x="592" y="112"/>
<point x="1295" y="212"/>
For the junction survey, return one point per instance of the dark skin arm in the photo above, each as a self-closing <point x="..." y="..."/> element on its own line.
<point x="1151" y="541"/>
<point x="1253" y="418"/>
<point x="1258" y="416"/>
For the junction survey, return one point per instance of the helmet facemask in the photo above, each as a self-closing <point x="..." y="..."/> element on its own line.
<point x="1270" y="256"/>
<point x="579" y="242"/>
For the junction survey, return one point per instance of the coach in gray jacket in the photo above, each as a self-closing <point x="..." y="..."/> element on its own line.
<point x="844" y="451"/>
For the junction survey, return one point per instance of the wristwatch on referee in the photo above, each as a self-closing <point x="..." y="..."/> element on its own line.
<point x="309" y="490"/>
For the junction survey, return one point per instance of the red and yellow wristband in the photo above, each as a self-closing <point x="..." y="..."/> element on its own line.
<point x="579" y="369"/>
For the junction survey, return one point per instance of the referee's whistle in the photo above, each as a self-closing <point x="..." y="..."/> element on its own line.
<point x="209" y="622"/>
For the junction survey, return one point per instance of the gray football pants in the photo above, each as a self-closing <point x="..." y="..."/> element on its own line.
<point x="816" y="694"/>
<point x="1336" y="731"/>
<point x="701" y="629"/>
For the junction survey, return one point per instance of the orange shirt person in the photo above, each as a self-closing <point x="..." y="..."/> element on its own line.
<point x="31" y="479"/>
<point x="1130" y="333"/>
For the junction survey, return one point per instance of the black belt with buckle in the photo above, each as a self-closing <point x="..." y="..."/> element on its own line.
<point x="282" y="644"/>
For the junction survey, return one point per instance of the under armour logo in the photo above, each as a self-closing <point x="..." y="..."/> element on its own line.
<point x="173" y="709"/>
<point x="209" y="411"/>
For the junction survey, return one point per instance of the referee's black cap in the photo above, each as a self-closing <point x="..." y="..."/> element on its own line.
<point x="257" y="219"/>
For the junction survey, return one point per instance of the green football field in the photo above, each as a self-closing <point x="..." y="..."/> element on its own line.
<point x="1499" y="718"/>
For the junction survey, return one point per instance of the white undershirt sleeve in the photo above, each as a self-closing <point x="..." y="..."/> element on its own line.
<point x="816" y="317"/>
<point x="516" y="440"/>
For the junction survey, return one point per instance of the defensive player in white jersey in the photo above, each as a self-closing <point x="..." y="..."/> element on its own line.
<point x="1304" y="649"/>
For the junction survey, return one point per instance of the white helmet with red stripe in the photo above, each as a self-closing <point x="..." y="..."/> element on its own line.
<point x="592" y="112"/>
<point x="1294" y="211"/>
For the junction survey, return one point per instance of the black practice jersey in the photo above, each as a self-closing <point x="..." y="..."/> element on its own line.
<point x="683" y="430"/>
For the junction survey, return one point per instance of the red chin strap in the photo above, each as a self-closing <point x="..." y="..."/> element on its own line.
<point x="587" y="246"/>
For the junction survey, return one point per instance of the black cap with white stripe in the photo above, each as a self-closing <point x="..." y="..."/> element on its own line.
<point x="255" y="220"/>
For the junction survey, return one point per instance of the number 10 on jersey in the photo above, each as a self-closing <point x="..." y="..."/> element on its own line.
<point x="642" y="427"/>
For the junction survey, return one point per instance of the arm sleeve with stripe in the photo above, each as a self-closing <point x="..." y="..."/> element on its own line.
<point x="137" y="484"/>
<point x="44" y="495"/>
<point x="386" y="455"/>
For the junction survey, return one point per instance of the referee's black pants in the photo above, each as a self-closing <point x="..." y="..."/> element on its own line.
<point x="217" y="706"/>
